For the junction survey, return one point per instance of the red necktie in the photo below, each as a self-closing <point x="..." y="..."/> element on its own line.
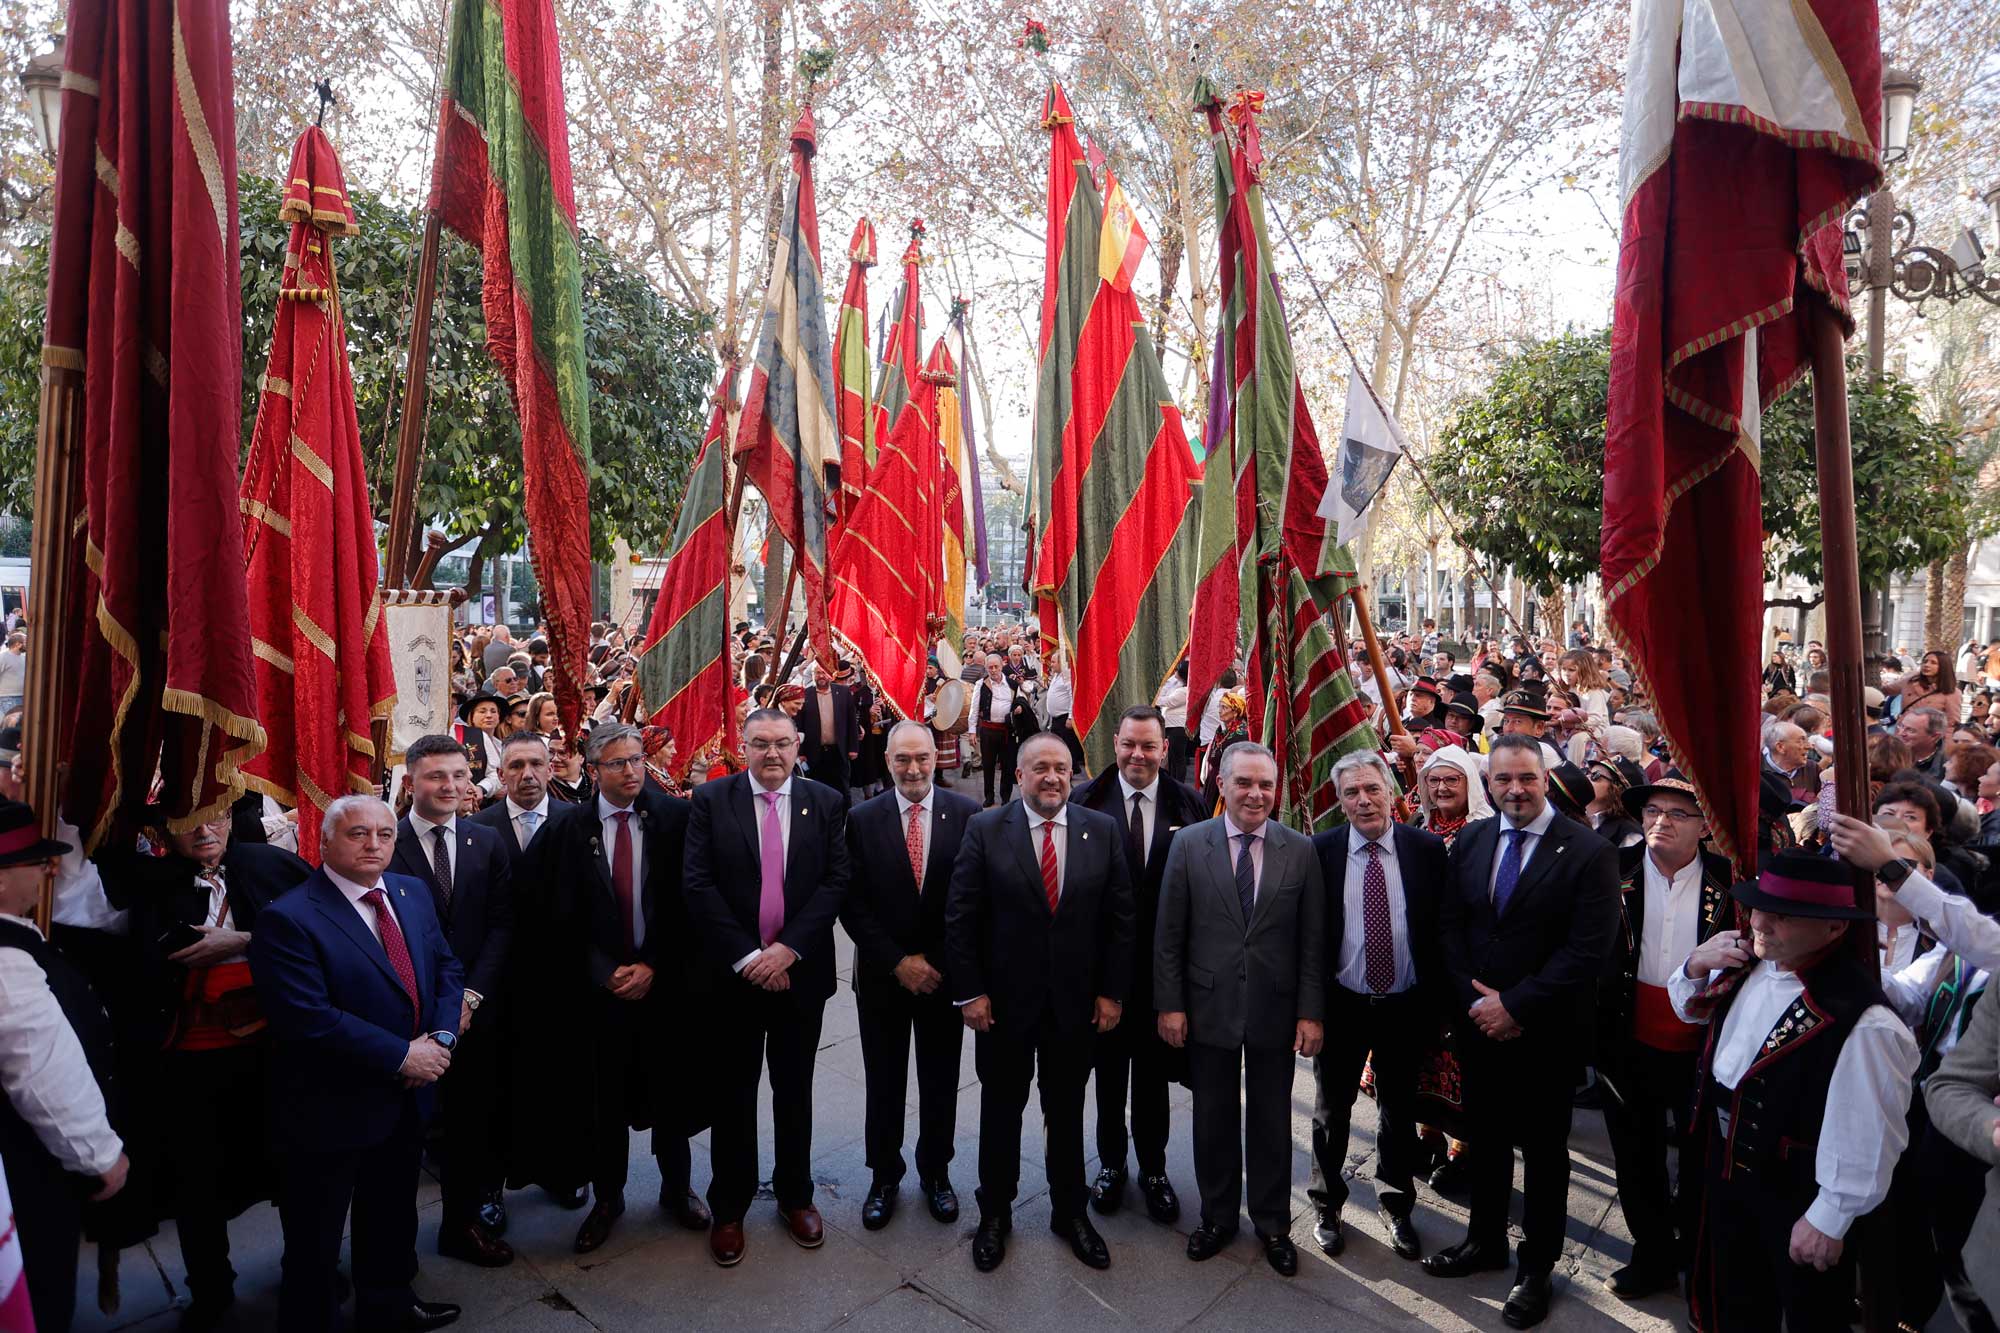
<point x="1378" y="940"/>
<point x="1049" y="875"/>
<point x="399" y="953"/>
<point x="913" y="838"/>
<point x="621" y="875"/>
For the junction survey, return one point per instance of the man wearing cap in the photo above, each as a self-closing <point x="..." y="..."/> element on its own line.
<point x="1425" y="700"/>
<point x="1673" y="895"/>
<point x="55" y="1048"/>
<point x="1525" y="712"/>
<point x="1462" y="719"/>
<point x="1803" y="1086"/>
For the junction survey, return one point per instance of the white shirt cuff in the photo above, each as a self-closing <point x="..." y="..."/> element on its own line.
<point x="746" y="960"/>
<point x="960" y="1004"/>
<point x="1827" y="1217"/>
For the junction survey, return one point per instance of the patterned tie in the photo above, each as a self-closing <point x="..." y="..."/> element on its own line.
<point x="913" y="839"/>
<point x="1135" y="836"/>
<point x="771" y="851"/>
<point x="399" y="953"/>
<point x="1049" y="871"/>
<point x="1378" y="941"/>
<point x="441" y="862"/>
<point x="530" y="819"/>
<point x="1510" y="871"/>
<point x="621" y="876"/>
<point x="1246" y="880"/>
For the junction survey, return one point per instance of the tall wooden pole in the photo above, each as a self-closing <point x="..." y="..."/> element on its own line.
<point x="50" y="699"/>
<point x="410" y="429"/>
<point x="1382" y="683"/>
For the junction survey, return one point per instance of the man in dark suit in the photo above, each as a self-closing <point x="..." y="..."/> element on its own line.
<point x="1237" y="980"/>
<point x="1385" y="991"/>
<point x="363" y="996"/>
<point x="469" y="875"/>
<point x="1038" y="947"/>
<point x="767" y="872"/>
<point x="1526" y="929"/>
<point x="525" y="770"/>
<point x="908" y="837"/>
<point x="1149" y="807"/>
<point x="829" y="731"/>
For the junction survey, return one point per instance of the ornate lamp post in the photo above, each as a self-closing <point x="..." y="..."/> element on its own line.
<point x="42" y="79"/>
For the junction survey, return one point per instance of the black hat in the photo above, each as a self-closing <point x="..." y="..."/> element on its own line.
<point x="1636" y="797"/>
<point x="10" y="743"/>
<point x="1570" y="788"/>
<point x="1801" y="884"/>
<point x="1425" y="685"/>
<point x="1528" y="703"/>
<point x="483" y="696"/>
<point x="599" y="688"/>
<point x="1458" y="682"/>
<point x="21" y="840"/>
<point x="1466" y="704"/>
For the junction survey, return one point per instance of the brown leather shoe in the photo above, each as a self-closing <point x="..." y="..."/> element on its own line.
<point x="472" y="1243"/>
<point x="596" y="1226"/>
<point x="804" y="1224"/>
<point x="725" y="1243"/>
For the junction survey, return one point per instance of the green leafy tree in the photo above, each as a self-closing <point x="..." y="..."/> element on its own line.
<point x="650" y="378"/>
<point x="1522" y="468"/>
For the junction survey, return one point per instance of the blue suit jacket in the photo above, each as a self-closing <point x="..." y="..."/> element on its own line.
<point x="341" y="1020"/>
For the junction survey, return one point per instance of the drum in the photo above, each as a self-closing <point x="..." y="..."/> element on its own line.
<point x="952" y="715"/>
<point x="949" y="665"/>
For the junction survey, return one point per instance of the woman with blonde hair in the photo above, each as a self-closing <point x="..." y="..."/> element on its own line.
<point x="542" y="717"/>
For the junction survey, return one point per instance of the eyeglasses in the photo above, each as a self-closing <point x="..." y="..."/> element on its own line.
<point x="769" y="746"/>
<point x="619" y="765"/>
<point x="1653" y="813"/>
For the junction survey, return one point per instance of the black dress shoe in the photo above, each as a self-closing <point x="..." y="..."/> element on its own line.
<point x="493" y="1214"/>
<point x="1107" y="1192"/>
<point x="1205" y="1242"/>
<point x="943" y="1201"/>
<point x="207" y="1312"/>
<point x="1451" y="1177"/>
<point x="1328" y="1235"/>
<point x="1162" y="1204"/>
<point x="1634" y="1281"/>
<point x="472" y="1243"/>
<point x="1084" y="1242"/>
<point x="989" y="1243"/>
<point x="1282" y="1255"/>
<point x="575" y="1198"/>
<point x="1402" y="1235"/>
<point x="411" y="1318"/>
<point x="878" y="1207"/>
<point x="1528" y="1303"/>
<point x="686" y="1208"/>
<point x="1468" y="1256"/>
<point x="596" y="1228"/>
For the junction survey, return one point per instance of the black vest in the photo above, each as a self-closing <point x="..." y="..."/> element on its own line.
<point x="1776" y="1109"/>
<point x="20" y="1146"/>
<point x="1950" y="1007"/>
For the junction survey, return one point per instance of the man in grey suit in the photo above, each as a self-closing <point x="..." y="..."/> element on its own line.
<point x="1237" y="962"/>
<point x="1960" y="1097"/>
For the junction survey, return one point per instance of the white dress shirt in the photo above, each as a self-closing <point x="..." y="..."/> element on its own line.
<point x="758" y="809"/>
<point x="1352" y="972"/>
<point x="1864" y="1131"/>
<point x="1211" y="715"/>
<point x="522" y="835"/>
<point x="219" y="914"/>
<point x="80" y="897"/>
<point x="1149" y="809"/>
<point x="354" y="893"/>
<point x="1172" y="701"/>
<point x="1531" y="838"/>
<point x="929" y="808"/>
<point x="1256" y="853"/>
<point x="1060" y="695"/>
<point x="43" y="1071"/>
<point x="1909" y="991"/>
<point x="1000" y="700"/>
<point x="1963" y="928"/>
<point x="1061" y="823"/>
<point x="607" y="814"/>
<point x="428" y="840"/>
<point x="1673" y="920"/>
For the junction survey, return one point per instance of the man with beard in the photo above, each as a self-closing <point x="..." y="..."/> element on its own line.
<point x="1150" y="807"/>
<point x="1038" y="941"/>
<point x="897" y="924"/>
<point x="1526" y="929"/>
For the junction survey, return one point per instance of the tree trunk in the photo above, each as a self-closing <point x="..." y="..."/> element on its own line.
<point x="1957" y="570"/>
<point x="1936" y="637"/>
<point x="770" y="132"/>
<point x="475" y="577"/>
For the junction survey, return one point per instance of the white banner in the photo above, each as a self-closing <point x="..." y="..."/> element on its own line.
<point x="420" y="649"/>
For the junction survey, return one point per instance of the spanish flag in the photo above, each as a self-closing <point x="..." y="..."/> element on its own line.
<point x="1121" y="245"/>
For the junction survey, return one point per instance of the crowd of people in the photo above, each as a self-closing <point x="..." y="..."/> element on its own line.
<point x="1521" y="912"/>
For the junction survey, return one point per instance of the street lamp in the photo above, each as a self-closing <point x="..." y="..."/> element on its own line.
<point x="1899" y="100"/>
<point x="42" y="80"/>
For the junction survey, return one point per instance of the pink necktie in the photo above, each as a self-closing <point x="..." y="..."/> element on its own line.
<point x="771" y="849"/>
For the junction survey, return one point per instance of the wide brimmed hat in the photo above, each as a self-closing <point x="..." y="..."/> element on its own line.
<point x="1425" y="685"/>
<point x="21" y="840"/>
<point x="1466" y="704"/>
<point x="481" y="697"/>
<point x="1636" y="797"/>
<point x="1800" y="884"/>
<point x="1527" y="703"/>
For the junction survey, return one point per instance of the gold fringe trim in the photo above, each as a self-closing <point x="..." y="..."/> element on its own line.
<point x="277" y="522"/>
<point x="199" y="138"/>
<point x="73" y="82"/>
<point x="269" y="383"/>
<point x="312" y="461"/>
<point x="269" y="653"/>
<point x="62" y="358"/>
<point x="318" y="637"/>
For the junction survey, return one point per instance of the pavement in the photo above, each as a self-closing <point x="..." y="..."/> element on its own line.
<point x="918" y="1275"/>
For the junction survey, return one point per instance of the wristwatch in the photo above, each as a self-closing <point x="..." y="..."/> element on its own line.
<point x="1894" y="871"/>
<point x="444" y="1037"/>
<point x="473" y="999"/>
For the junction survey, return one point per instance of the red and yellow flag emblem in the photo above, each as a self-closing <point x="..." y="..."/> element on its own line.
<point x="1121" y="245"/>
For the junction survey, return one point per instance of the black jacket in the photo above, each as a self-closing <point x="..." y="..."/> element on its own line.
<point x="1180" y="807"/>
<point x="725" y="874"/>
<point x="846" y="723"/>
<point x="1425" y="865"/>
<point x="479" y="920"/>
<point x="572" y="861"/>
<point x="496" y="817"/>
<point x="1617" y="997"/>
<point x="1000" y="940"/>
<point x="887" y="915"/>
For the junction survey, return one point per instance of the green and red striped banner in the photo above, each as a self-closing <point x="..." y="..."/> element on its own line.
<point x="850" y="371"/>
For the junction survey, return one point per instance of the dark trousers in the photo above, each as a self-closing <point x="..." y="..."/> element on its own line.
<point x="1179" y="750"/>
<point x="631" y="1089"/>
<point x="204" y="1143"/>
<point x="889" y="1016"/>
<point x="1133" y="1055"/>
<point x="1649" y="1116"/>
<point x="760" y="1029"/>
<point x="1395" y="1028"/>
<point x="1009" y="1057"/>
<point x="1518" y="1092"/>
<point x="316" y="1189"/>
<point x="1744" y="1279"/>
<point x="470" y="1107"/>
<point x="1232" y="1128"/>
<point x="1061" y="727"/>
<point x="829" y="764"/>
<point x="48" y="1218"/>
<point x="996" y="751"/>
